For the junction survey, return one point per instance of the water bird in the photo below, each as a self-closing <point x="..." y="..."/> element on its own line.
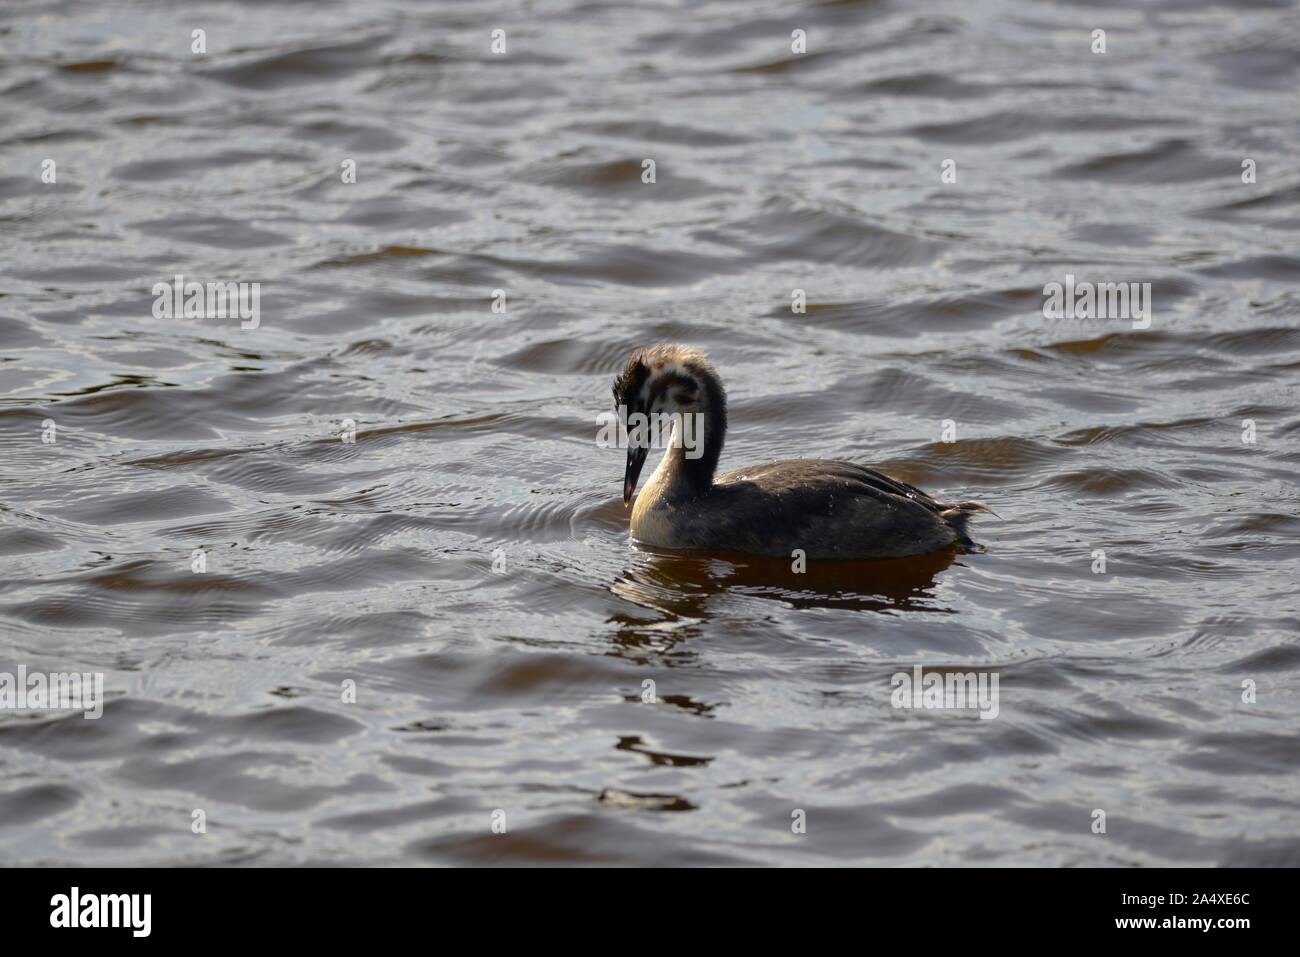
<point x="827" y="509"/>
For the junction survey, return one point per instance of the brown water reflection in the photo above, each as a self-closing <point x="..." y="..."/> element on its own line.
<point x="682" y="584"/>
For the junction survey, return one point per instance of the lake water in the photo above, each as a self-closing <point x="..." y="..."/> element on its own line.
<point x="397" y="642"/>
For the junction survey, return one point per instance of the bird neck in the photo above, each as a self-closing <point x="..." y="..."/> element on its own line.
<point x="687" y="468"/>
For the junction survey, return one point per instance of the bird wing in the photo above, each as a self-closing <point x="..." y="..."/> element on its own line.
<point x="830" y="505"/>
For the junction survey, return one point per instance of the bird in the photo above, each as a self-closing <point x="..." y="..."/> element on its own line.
<point x="824" y="508"/>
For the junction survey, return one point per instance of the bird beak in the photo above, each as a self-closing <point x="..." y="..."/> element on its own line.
<point x="635" y="462"/>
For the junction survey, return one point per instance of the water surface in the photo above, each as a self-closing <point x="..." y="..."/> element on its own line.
<point x="465" y="561"/>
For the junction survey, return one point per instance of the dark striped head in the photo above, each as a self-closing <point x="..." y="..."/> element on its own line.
<point x="667" y="379"/>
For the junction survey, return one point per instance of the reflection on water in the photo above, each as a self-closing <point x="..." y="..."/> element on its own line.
<point x="682" y="584"/>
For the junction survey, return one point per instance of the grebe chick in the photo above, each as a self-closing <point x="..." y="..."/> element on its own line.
<point x="828" y="509"/>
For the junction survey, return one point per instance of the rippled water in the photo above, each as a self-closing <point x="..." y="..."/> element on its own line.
<point x="465" y="561"/>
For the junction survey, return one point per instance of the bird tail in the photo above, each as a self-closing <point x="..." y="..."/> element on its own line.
<point x="959" y="513"/>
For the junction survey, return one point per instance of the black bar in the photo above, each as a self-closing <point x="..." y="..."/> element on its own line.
<point x="944" y="907"/>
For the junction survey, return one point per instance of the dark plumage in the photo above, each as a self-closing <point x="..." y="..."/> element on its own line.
<point x="828" y="509"/>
